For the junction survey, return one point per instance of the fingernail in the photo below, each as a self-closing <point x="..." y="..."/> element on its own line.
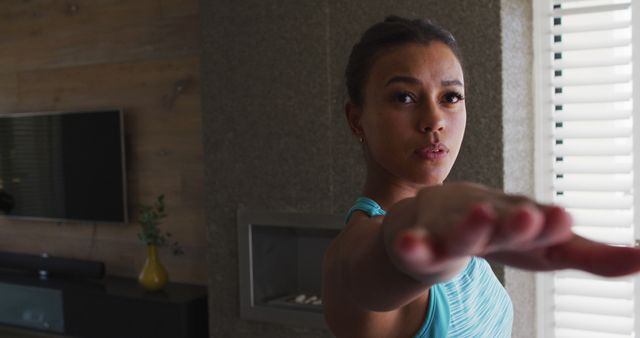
<point x="417" y="254"/>
<point x="482" y="212"/>
<point x="522" y="216"/>
<point x="557" y="214"/>
<point x="407" y="242"/>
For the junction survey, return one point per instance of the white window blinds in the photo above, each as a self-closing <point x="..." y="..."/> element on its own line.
<point x="584" y="156"/>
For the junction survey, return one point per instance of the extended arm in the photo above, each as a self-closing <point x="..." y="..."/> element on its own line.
<point x="367" y="273"/>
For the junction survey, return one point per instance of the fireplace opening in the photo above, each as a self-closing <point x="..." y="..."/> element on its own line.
<point x="287" y="266"/>
<point x="281" y="265"/>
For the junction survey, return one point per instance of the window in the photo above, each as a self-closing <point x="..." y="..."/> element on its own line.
<point x="584" y="155"/>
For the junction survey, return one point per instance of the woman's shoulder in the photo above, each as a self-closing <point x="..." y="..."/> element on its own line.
<point x="343" y="315"/>
<point x="362" y="220"/>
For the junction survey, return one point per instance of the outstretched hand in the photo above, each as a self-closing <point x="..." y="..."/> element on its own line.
<point x="459" y="220"/>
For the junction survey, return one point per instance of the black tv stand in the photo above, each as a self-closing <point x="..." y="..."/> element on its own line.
<point x="109" y="307"/>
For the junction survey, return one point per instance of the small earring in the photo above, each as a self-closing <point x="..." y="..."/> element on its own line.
<point x="361" y="140"/>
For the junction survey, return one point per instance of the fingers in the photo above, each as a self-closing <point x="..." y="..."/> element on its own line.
<point x="517" y="229"/>
<point x="485" y="229"/>
<point x="482" y="231"/>
<point x="471" y="236"/>
<point x="412" y="245"/>
<point x="529" y="226"/>
<point x="414" y="251"/>
<point x="557" y="227"/>
<point x="422" y="252"/>
<point x="597" y="258"/>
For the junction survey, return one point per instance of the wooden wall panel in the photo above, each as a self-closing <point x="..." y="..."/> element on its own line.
<point x="8" y="91"/>
<point x="138" y="85"/>
<point x="126" y="258"/>
<point x="75" y="246"/>
<point x="162" y="37"/>
<point x="144" y="57"/>
<point x="178" y="7"/>
<point x="22" y="19"/>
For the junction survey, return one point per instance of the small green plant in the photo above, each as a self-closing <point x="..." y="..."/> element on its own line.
<point x="149" y="218"/>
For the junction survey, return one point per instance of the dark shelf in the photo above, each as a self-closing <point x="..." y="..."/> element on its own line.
<point x="110" y="307"/>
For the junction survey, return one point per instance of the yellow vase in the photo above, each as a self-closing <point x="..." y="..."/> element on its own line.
<point x="153" y="276"/>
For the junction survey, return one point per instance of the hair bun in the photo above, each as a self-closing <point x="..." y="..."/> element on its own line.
<point x="394" y="18"/>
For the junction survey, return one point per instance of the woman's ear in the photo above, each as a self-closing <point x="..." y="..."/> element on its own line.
<point x="354" y="116"/>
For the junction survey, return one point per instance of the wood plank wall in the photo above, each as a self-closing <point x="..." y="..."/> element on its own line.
<point x="142" y="56"/>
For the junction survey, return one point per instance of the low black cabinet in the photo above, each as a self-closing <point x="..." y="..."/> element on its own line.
<point x="106" y="308"/>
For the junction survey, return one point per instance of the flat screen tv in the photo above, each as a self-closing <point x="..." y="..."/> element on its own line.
<point x="63" y="166"/>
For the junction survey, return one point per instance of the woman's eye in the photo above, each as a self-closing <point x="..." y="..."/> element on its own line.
<point x="453" y="97"/>
<point x="405" y="98"/>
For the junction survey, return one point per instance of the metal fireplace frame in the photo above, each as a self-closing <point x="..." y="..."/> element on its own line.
<point x="247" y="221"/>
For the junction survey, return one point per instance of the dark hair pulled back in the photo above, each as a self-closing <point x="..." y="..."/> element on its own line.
<point x="393" y="31"/>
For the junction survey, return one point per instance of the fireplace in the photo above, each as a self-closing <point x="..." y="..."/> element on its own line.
<point x="280" y="265"/>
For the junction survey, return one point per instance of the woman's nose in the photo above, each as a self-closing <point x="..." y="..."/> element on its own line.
<point x="431" y="118"/>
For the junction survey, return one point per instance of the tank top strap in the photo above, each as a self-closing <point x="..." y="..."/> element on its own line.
<point x="366" y="205"/>
<point x="436" y="324"/>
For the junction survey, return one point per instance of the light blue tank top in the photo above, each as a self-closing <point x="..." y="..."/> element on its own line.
<point x="472" y="304"/>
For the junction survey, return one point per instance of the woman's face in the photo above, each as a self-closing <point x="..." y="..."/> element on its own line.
<point x="413" y="115"/>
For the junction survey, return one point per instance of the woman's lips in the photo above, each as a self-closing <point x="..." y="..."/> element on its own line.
<point x="433" y="151"/>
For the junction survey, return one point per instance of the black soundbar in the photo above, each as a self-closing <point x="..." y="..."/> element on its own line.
<point x="46" y="266"/>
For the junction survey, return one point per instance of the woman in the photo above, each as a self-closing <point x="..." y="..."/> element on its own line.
<point x="419" y="270"/>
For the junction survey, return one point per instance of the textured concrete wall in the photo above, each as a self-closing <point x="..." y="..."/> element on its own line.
<point x="274" y="129"/>
<point x="266" y="129"/>
<point x="518" y="137"/>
